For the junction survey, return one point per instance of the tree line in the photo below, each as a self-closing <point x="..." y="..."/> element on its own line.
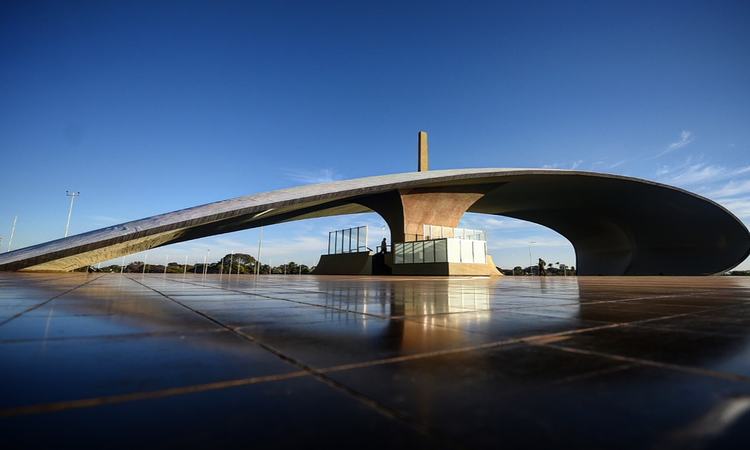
<point x="234" y="263"/>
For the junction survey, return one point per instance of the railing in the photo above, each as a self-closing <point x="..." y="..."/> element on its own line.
<point x="445" y="250"/>
<point x="350" y="240"/>
<point x="421" y="252"/>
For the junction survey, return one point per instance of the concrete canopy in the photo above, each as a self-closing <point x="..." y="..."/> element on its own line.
<point x="617" y="225"/>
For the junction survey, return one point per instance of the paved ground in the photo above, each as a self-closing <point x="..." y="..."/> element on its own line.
<point x="112" y="361"/>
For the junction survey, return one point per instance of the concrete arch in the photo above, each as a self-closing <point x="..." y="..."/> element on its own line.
<point x="617" y="225"/>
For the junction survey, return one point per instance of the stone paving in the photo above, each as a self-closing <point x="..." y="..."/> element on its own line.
<point x="123" y="361"/>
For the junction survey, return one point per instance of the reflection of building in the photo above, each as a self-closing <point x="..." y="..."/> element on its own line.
<point x="617" y="225"/>
<point x="409" y="299"/>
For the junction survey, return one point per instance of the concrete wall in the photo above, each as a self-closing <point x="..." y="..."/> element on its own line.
<point x="445" y="269"/>
<point x="345" y="264"/>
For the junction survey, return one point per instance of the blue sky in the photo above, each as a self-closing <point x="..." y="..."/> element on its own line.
<point x="148" y="107"/>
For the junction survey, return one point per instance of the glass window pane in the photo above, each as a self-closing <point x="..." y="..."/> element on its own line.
<point x="441" y="250"/>
<point x="429" y="251"/>
<point x="398" y="253"/>
<point x="418" y="252"/>
<point x="362" y="242"/>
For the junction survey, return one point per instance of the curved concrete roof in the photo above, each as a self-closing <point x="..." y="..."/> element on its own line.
<point x="617" y="225"/>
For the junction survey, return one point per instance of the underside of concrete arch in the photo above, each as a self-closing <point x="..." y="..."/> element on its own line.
<point x="617" y="225"/>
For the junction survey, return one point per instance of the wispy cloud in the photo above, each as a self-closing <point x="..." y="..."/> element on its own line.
<point x="606" y="165"/>
<point x="686" y="138"/>
<point x="312" y="176"/>
<point x="693" y="172"/>
<point x="731" y="189"/>
<point x="570" y="166"/>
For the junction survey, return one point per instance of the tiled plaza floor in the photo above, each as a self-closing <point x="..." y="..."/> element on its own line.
<point x="133" y="361"/>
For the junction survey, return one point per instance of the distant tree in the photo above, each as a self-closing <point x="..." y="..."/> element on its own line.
<point x="232" y="262"/>
<point x="518" y="270"/>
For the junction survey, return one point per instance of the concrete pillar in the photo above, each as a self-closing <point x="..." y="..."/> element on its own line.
<point x="407" y="211"/>
<point x="423" y="155"/>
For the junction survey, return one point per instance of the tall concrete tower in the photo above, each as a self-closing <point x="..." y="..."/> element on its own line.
<point x="423" y="155"/>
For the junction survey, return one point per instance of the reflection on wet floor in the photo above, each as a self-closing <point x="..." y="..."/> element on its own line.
<point x="90" y="360"/>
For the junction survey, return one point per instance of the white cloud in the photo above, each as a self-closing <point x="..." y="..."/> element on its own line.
<point x="571" y="166"/>
<point x="604" y="165"/>
<point x="312" y="176"/>
<point x="686" y="137"/>
<point x="692" y="172"/>
<point x="733" y="188"/>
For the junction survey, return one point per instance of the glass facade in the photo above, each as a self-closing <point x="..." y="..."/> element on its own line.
<point x="350" y="240"/>
<point x="453" y="250"/>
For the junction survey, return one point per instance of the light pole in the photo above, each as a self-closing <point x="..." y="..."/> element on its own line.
<point x="145" y="260"/>
<point x="530" y="265"/>
<point x="12" y="232"/>
<point x="205" y="259"/>
<point x="260" y="245"/>
<point x="72" y="196"/>
<point x="166" y="263"/>
<point x="184" y="267"/>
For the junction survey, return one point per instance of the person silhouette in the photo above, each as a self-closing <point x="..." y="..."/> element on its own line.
<point x="542" y="263"/>
<point x="383" y="246"/>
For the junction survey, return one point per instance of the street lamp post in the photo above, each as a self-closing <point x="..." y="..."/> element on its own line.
<point x="260" y="245"/>
<point x="72" y="196"/>
<point x="12" y="232"/>
<point x="531" y="272"/>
